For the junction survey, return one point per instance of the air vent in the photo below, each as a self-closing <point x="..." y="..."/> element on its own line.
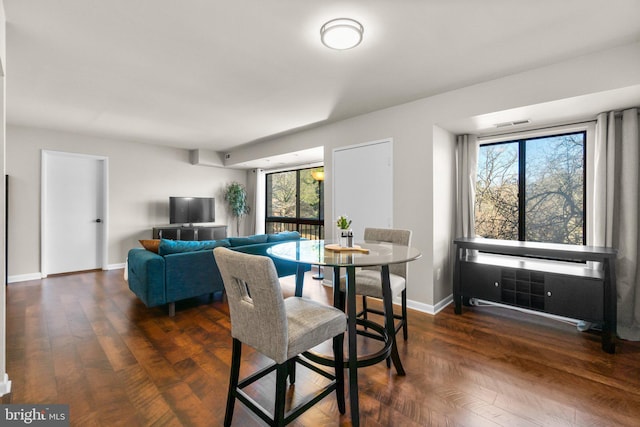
<point x="509" y="124"/>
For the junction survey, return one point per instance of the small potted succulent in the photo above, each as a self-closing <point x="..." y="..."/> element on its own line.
<point x="345" y="234"/>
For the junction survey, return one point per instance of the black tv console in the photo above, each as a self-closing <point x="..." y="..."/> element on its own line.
<point x="577" y="282"/>
<point x="190" y="232"/>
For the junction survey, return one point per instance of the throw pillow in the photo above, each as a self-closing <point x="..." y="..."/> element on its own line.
<point x="150" y="244"/>
<point x="179" y="246"/>
<point x="249" y="240"/>
<point x="284" y="236"/>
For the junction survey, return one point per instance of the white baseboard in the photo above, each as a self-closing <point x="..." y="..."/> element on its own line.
<point x="115" y="266"/>
<point x="24" y="277"/>
<point x="428" y="308"/>
<point x="38" y="276"/>
<point x="443" y="303"/>
<point x="5" y="385"/>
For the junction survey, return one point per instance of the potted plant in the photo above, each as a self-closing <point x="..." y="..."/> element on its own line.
<point x="345" y="234"/>
<point x="235" y="195"/>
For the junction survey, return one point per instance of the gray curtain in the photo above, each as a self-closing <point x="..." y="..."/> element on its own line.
<point x="256" y="196"/>
<point x="616" y="203"/>
<point x="466" y="166"/>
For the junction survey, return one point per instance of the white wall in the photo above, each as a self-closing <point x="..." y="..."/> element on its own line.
<point x="5" y="384"/>
<point x="444" y="211"/>
<point x="141" y="179"/>
<point x="418" y="145"/>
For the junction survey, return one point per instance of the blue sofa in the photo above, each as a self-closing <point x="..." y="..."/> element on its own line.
<point x="187" y="269"/>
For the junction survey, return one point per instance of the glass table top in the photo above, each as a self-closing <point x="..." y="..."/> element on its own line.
<point x="314" y="252"/>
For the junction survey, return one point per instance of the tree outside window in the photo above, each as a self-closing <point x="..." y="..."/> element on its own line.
<point x="281" y="194"/>
<point x="294" y="202"/>
<point x="532" y="189"/>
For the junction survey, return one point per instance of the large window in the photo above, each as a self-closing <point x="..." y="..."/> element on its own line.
<point x="532" y="189"/>
<point x="295" y="202"/>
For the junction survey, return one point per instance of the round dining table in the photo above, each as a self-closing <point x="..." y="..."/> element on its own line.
<point x="365" y="254"/>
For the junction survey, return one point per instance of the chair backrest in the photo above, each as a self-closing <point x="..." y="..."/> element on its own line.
<point x="256" y="304"/>
<point x="390" y="235"/>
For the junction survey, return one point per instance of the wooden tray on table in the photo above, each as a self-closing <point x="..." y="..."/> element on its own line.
<point x="337" y="248"/>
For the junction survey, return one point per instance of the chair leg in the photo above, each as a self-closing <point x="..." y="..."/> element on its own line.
<point x="405" y="331"/>
<point x="338" y="355"/>
<point x="342" y="298"/>
<point x="364" y="307"/>
<point x="236" y="353"/>
<point x="291" y="370"/>
<point x="281" y="389"/>
<point x="389" y="321"/>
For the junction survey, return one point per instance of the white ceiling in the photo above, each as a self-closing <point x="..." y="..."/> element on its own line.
<point x="218" y="74"/>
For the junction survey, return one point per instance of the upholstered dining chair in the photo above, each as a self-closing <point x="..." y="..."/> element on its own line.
<point x="369" y="281"/>
<point x="280" y="329"/>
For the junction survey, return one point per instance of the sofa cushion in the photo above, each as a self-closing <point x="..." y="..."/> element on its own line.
<point x="150" y="244"/>
<point x="283" y="236"/>
<point x="167" y="247"/>
<point x="249" y="240"/>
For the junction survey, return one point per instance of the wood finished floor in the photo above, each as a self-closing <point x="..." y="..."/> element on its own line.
<point x="85" y="340"/>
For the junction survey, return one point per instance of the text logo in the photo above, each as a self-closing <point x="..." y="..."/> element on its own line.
<point x="34" y="415"/>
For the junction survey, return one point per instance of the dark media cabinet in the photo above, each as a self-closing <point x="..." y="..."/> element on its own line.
<point x="577" y="282"/>
<point x="190" y="232"/>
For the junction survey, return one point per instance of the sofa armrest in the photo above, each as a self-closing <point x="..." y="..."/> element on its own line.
<point x="146" y="274"/>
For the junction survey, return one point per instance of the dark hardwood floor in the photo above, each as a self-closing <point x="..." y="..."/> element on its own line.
<point x="86" y="340"/>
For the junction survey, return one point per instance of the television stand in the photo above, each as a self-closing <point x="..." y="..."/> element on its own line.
<point x="190" y="232"/>
<point x="577" y="282"/>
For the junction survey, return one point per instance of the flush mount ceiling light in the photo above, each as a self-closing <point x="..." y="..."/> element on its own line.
<point x="341" y="33"/>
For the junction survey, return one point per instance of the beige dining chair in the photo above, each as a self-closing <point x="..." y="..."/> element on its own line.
<point x="280" y="329"/>
<point x="369" y="281"/>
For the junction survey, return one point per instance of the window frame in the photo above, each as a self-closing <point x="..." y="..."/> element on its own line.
<point x="300" y="224"/>
<point x="588" y="128"/>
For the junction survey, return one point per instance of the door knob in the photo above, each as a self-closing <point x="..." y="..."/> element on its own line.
<point x="98" y="220"/>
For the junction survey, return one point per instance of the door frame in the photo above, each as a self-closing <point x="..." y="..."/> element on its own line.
<point x="103" y="234"/>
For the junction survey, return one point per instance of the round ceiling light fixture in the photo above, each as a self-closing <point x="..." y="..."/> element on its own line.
<point x="341" y="33"/>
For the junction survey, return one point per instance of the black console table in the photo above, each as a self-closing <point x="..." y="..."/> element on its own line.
<point x="190" y="232"/>
<point x="573" y="281"/>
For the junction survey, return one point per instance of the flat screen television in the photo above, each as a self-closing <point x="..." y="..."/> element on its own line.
<point x="191" y="210"/>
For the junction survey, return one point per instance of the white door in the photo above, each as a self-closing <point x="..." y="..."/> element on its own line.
<point x="363" y="186"/>
<point x="73" y="212"/>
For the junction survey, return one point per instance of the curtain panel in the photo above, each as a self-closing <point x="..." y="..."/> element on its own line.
<point x="256" y="187"/>
<point x="616" y="204"/>
<point x="466" y="167"/>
